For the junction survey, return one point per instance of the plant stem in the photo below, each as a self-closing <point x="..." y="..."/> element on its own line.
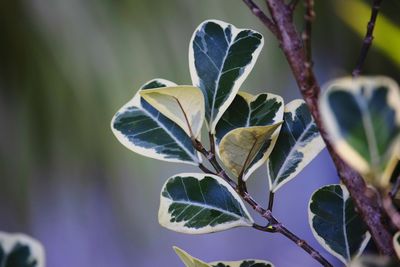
<point x="376" y="4"/>
<point x="395" y="188"/>
<point x="271" y="200"/>
<point x="267" y="214"/>
<point x="293" y="49"/>
<point x="261" y="15"/>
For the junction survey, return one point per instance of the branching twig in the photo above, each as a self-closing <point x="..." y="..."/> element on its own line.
<point x="274" y="225"/>
<point x="291" y="44"/>
<point x="376" y="4"/>
<point x="261" y="15"/>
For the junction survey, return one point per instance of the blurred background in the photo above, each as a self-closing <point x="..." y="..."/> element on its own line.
<point x="67" y="66"/>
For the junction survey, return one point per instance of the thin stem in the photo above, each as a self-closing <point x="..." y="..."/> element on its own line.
<point x="391" y="211"/>
<point x="274" y="224"/>
<point x="376" y="4"/>
<point x="205" y="169"/>
<point x="261" y="15"/>
<point x="293" y="4"/>
<point x="271" y="200"/>
<point x="212" y="142"/>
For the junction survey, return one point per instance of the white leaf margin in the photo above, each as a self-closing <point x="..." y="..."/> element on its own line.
<point x="321" y="241"/>
<point x="164" y="217"/>
<point x="9" y="240"/>
<point x="237" y="84"/>
<point x="315" y="143"/>
<point x="352" y="85"/>
<point x="148" y="152"/>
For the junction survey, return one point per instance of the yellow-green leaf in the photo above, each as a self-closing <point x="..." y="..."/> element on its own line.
<point x="188" y="260"/>
<point x="182" y="104"/>
<point x="191" y="261"/>
<point x="238" y="148"/>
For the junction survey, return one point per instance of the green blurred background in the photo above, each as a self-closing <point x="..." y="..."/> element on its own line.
<point x="67" y="65"/>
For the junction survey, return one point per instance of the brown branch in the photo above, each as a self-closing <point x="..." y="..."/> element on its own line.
<point x="261" y="15"/>
<point x="376" y="4"/>
<point x="309" y="17"/>
<point x="271" y="200"/>
<point x="274" y="225"/>
<point x="291" y="44"/>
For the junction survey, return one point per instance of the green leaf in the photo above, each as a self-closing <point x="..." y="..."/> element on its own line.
<point x="184" y="105"/>
<point x="195" y="203"/>
<point x="396" y="244"/>
<point x="19" y="250"/>
<point x="220" y="57"/>
<point x="245" y="149"/>
<point x="248" y="110"/>
<point x="144" y="130"/>
<point x="336" y="224"/>
<point x="299" y="142"/>
<point x="362" y="117"/>
<point x="191" y="261"/>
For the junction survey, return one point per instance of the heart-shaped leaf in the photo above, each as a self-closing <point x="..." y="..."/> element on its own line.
<point x="299" y="142"/>
<point x="184" y="105"/>
<point x="191" y="261"/>
<point x="195" y="203"/>
<point x="362" y="117"/>
<point x="245" y="149"/>
<point x="220" y="57"/>
<point x="336" y="224"/>
<point x="19" y="250"/>
<point x="143" y="129"/>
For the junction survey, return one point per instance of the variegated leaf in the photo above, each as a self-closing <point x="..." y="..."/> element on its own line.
<point x="336" y="224"/>
<point x="191" y="261"/>
<point x="144" y="130"/>
<point x="362" y="117"/>
<point x="195" y="203"/>
<point x="220" y="57"/>
<point x="299" y="142"/>
<point x="396" y="244"/>
<point x="184" y="105"/>
<point x="19" y="250"/>
<point x="248" y="110"/>
<point x="243" y="150"/>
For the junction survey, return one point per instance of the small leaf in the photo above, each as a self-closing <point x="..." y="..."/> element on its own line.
<point x="248" y="110"/>
<point x="220" y="57"/>
<point x="144" y="130"/>
<point x="299" y="142"/>
<point x="182" y="104"/>
<point x="19" y="250"/>
<point x="336" y="224"/>
<point x="188" y="260"/>
<point x="200" y="203"/>
<point x="362" y="117"/>
<point x="396" y="244"/>
<point x="247" y="147"/>
<point x="193" y="262"/>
